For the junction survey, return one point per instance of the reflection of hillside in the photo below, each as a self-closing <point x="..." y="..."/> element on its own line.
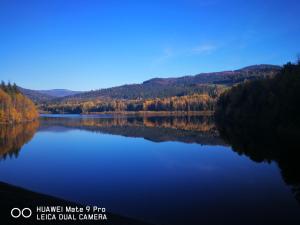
<point x="193" y="129"/>
<point x="263" y="144"/>
<point x="13" y="137"/>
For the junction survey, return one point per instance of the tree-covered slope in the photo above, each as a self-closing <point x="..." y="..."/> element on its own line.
<point x="187" y="85"/>
<point x="14" y="106"/>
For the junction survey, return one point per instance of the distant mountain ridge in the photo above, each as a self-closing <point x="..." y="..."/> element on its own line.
<point x="59" y="92"/>
<point x="161" y="87"/>
<point x="46" y="95"/>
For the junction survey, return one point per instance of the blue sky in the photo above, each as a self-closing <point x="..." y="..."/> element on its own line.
<point x="84" y="45"/>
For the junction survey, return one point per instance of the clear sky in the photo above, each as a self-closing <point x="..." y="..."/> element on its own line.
<point x="84" y="45"/>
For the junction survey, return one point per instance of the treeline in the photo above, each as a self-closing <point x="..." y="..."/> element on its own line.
<point x="195" y="102"/>
<point x="266" y="108"/>
<point x="14" y="106"/>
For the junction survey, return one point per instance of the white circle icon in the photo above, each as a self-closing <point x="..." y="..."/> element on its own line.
<point x="16" y="212"/>
<point x="26" y="212"/>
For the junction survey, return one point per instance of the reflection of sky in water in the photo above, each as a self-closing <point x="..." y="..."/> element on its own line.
<point x="158" y="182"/>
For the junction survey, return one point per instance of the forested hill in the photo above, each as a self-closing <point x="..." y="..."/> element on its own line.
<point x="186" y="85"/>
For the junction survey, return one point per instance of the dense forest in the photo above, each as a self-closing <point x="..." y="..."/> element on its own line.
<point x="14" y="106"/>
<point x="270" y="105"/>
<point x="195" y="102"/>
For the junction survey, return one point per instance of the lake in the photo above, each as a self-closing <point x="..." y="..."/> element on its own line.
<point x="161" y="170"/>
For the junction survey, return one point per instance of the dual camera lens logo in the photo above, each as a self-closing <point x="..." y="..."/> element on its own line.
<point x="16" y="212"/>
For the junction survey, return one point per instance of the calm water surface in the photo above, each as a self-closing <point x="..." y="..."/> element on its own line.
<point x="159" y="170"/>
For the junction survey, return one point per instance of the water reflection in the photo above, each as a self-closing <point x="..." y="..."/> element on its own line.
<point x="162" y="183"/>
<point x="12" y="138"/>
<point x="187" y="129"/>
<point x="252" y="141"/>
<point x="264" y="144"/>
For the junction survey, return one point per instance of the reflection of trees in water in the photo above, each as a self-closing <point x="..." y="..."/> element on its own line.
<point x="195" y="123"/>
<point x="189" y="129"/>
<point x="13" y="137"/>
<point x="264" y="144"/>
